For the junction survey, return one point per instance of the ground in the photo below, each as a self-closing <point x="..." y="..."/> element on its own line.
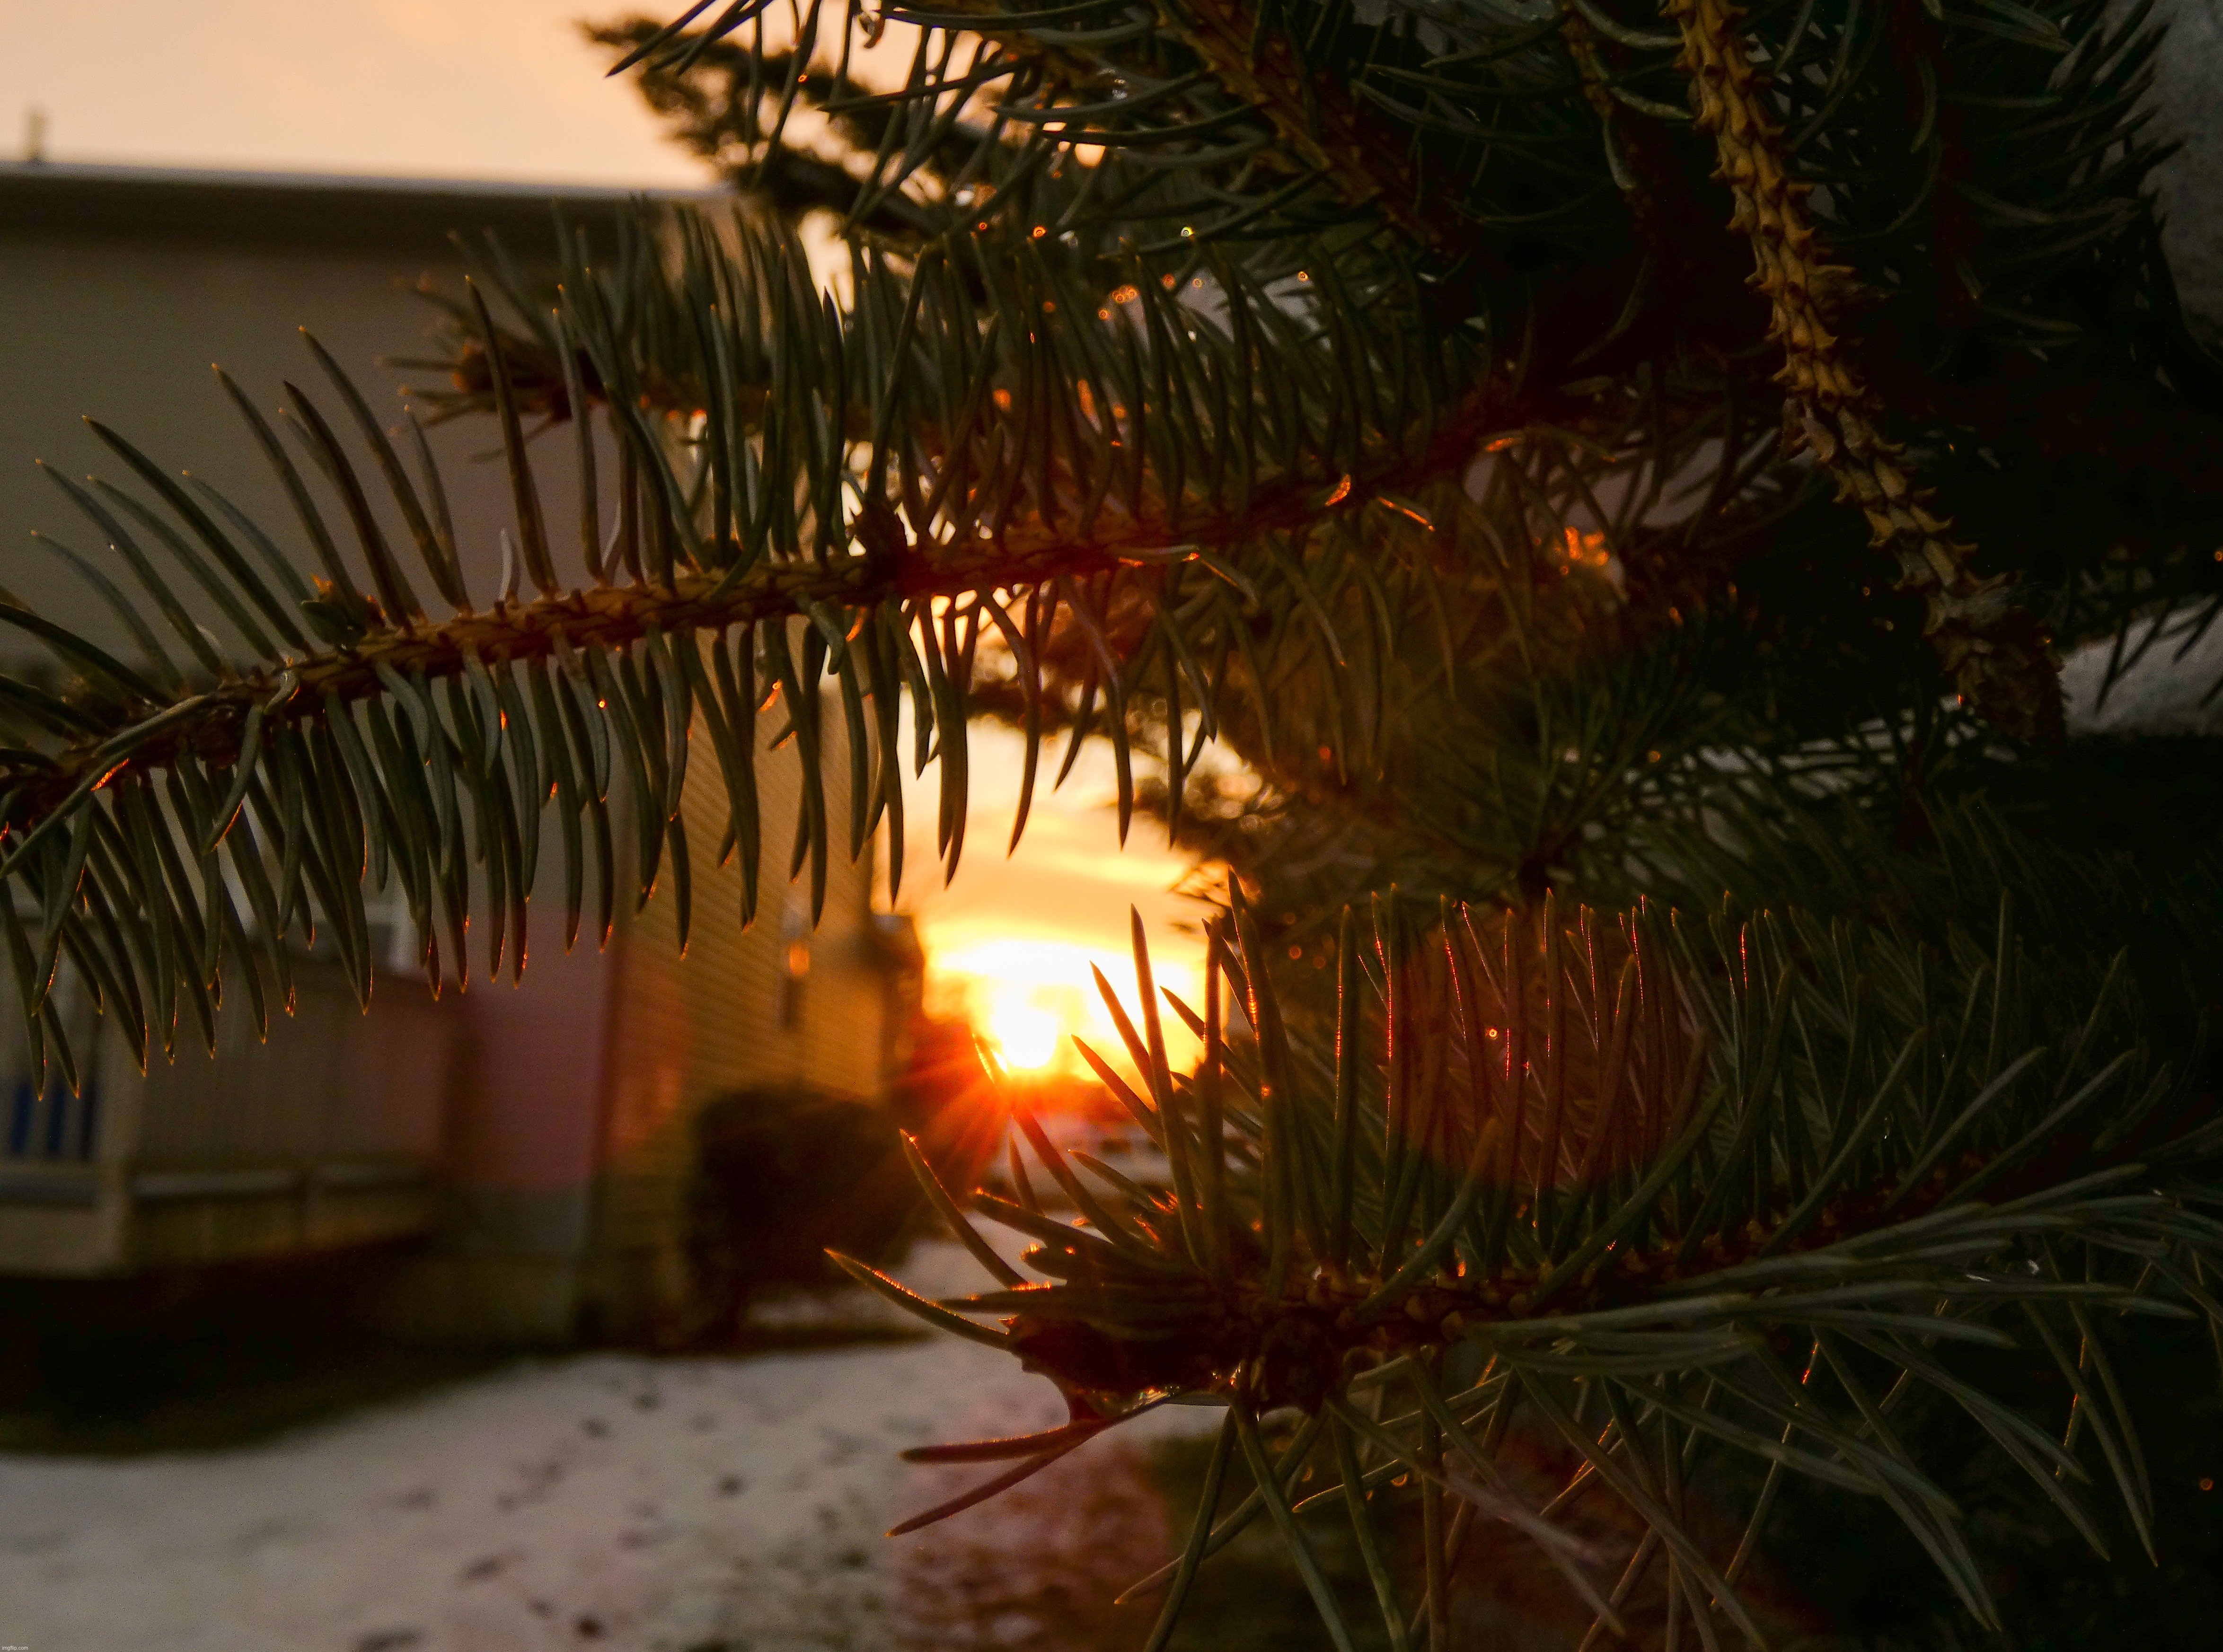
<point x="622" y="1501"/>
<point x="739" y="1504"/>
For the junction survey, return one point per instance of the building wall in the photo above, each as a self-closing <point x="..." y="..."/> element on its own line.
<point x="100" y="317"/>
<point x="773" y="1004"/>
<point x="117" y="293"/>
<point x="521" y="1153"/>
<point x="323" y="1136"/>
<point x="2187" y="90"/>
<point x="557" y="1118"/>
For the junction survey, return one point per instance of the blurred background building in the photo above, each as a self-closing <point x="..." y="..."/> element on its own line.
<point x="480" y="1160"/>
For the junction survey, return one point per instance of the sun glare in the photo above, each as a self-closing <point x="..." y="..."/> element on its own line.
<point x="1025" y="1035"/>
<point x="1031" y="997"/>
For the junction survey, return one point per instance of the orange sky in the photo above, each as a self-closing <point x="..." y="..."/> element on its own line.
<point x="497" y="89"/>
<point x="1013" y="940"/>
<point x="506" y="89"/>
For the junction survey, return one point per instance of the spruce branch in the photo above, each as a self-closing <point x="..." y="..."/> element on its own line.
<point x="1430" y="472"/>
<point x="1994" y="652"/>
<point x="356" y="737"/>
<point x="1328" y="133"/>
<point x="1662" y="1256"/>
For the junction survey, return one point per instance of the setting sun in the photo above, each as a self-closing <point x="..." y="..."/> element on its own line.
<point x="1031" y="997"/>
<point x="1012" y="942"/>
<point x="1025" y="1035"/>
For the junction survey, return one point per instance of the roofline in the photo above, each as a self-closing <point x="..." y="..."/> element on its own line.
<point x="73" y="172"/>
<point x="50" y="200"/>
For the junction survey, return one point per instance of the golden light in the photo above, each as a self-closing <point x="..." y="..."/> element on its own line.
<point x="1031" y="995"/>
<point x="1025" y="1035"/>
<point x="1012" y="942"/>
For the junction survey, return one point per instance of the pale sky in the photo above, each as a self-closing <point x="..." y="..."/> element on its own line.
<point x="488" y="89"/>
<point x="508" y="89"/>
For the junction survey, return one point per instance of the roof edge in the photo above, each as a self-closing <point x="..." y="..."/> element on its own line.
<point x="410" y="217"/>
<point x="64" y="174"/>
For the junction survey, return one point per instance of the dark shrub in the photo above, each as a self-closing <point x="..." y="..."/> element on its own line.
<point x="784" y="1173"/>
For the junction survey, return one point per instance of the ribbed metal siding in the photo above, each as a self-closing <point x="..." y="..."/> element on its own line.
<point x="326" y="1134"/>
<point x="688" y="1029"/>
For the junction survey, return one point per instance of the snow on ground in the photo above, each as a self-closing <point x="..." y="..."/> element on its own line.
<point x="607" y="1500"/>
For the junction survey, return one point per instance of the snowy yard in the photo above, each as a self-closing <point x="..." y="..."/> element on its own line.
<point x="672" y="1505"/>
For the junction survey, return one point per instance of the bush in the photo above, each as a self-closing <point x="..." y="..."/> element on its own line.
<point x="785" y="1173"/>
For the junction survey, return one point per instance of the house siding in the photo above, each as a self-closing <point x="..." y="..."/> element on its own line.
<point x="537" y="1140"/>
<point x="686" y="1030"/>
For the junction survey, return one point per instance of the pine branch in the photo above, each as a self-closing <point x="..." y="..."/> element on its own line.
<point x="1375" y="405"/>
<point x="724" y="104"/>
<point x="438" y="743"/>
<point x="1769" y="1135"/>
<point x="1325" y="129"/>
<point x="1994" y="652"/>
